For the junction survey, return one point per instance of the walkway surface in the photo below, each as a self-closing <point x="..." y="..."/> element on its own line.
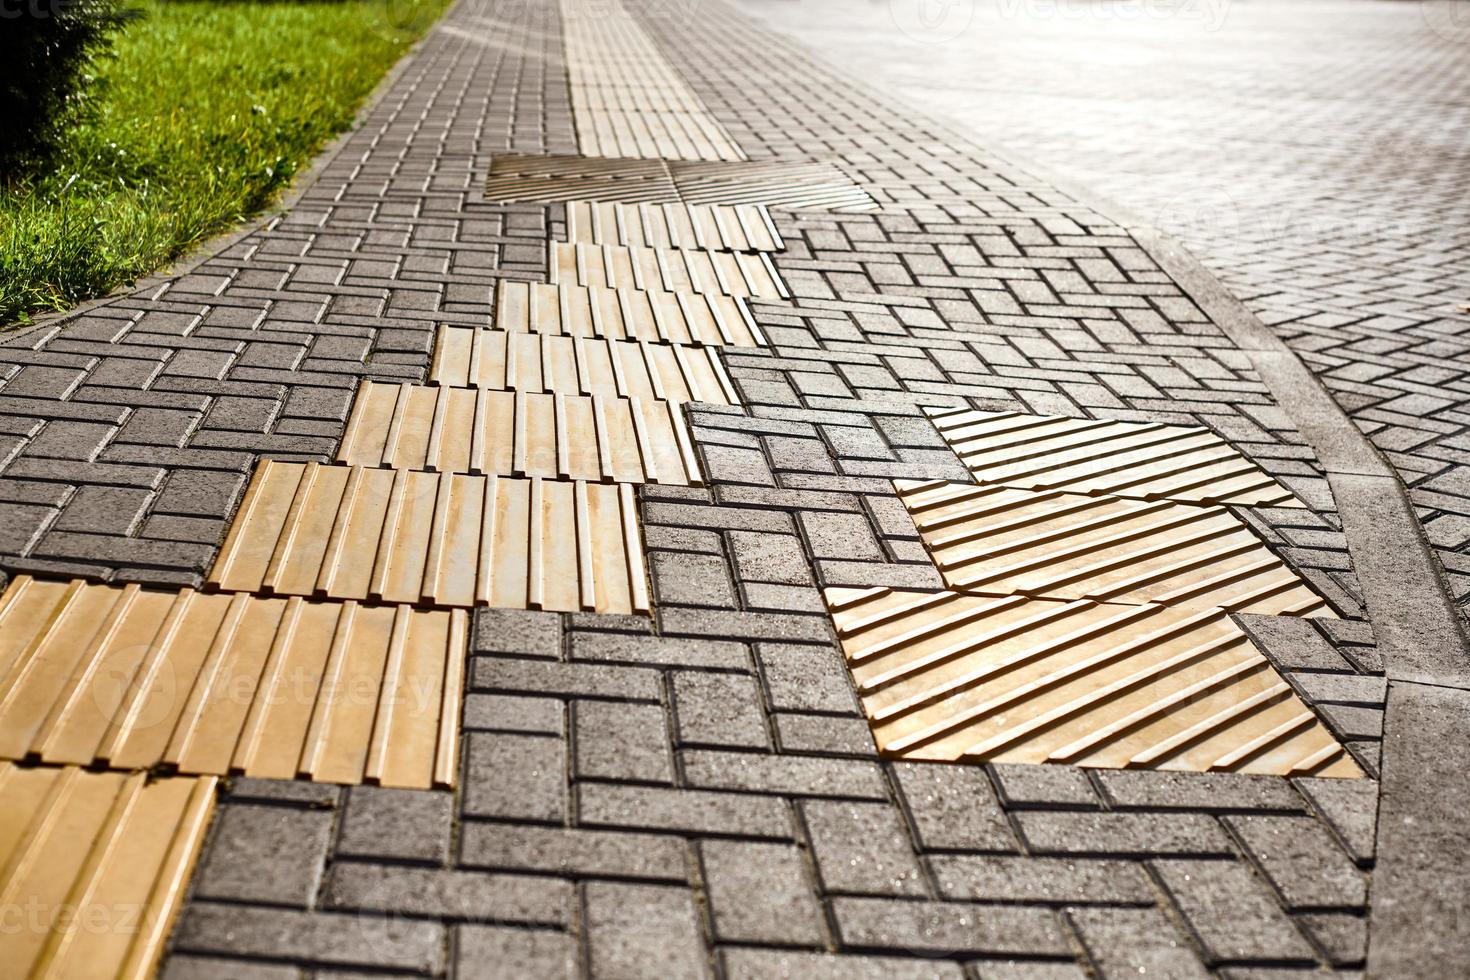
<point x="682" y="778"/>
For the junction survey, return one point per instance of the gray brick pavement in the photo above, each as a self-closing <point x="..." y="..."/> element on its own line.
<point x="699" y="794"/>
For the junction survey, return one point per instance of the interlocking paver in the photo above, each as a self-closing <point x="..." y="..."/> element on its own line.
<point x="654" y="797"/>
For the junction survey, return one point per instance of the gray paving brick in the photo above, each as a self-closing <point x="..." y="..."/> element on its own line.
<point x="718" y="709"/>
<point x="505" y="713"/>
<point x="1220" y="792"/>
<point x="760" y="964"/>
<point x="200" y="493"/>
<point x="1350" y="806"/>
<point x="690" y="811"/>
<point x="629" y="648"/>
<point x="621" y="741"/>
<point x="947" y="927"/>
<point x="1028" y="970"/>
<point x="517" y="631"/>
<point x="1231" y="912"/>
<point x="862" y="848"/>
<point x="805" y="678"/>
<point x="473" y="896"/>
<point x="266" y="854"/>
<point x="39" y="381"/>
<point x="1308" y="868"/>
<point x="1006" y="878"/>
<point x="1344" y="937"/>
<point x="185" y="967"/>
<point x="840" y="536"/>
<point x="1129" y="942"/>
<point x="64" y="439"/>
<point x="403" y="824"/>
<point x="584" y="680"/>
<point x="695" y="580"/>
<point x="515" y="776"/>
<point x="760" y="893"/>
<point x="784" y="774"/>
<point x="1122" y="833"/>
<point x="484" y="952"/>
<point x="824" y="734"/>
<point x="773" y="558"/>
<point x="953" y="807"/>
<point x="1044" y="786"/>
<point x="317" y="938"/>
<point x="593" y="853"/>
<point x="642" y="931"/>
<point x="745" y="625"/>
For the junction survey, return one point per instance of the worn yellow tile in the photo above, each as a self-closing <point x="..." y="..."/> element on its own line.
<point x="220" y="683"/>
<point x="948" y="676"/>
<point x="1003" y="541"/>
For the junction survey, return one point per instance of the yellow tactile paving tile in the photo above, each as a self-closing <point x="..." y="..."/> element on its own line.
<point x="350" y="532"/>
<point x="1003" y="541"/>
<point x="1148" y="461"/>
<point x="655" y="316"/>
<point x="627" y="100"/>
<point x="93" y="869"/>
<point x="215" y="683"/>
<point x="509" y="187"/>
<point x="675" y="270"/>
<point x="740" y="228"/>
<point x="811" y="185"/>
<point x="947" y="676"/>
<point x="478" y="358"/>
<point x="480" y="431"/>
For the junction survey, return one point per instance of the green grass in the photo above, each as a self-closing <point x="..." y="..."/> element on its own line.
<point x="210" y="108"/>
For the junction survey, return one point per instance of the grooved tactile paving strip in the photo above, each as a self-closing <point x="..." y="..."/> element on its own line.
<point x="794" y="186"/>
<point x="95" y="866"/>
<point x="350" y="532"/>
<point x="134" y="678"/>
<point x="481" y="431"/>
<point x="740" y="228"/>
<point x="1148" y="461"/>
<point x="1003" y="540"/>
<point x="477" y="358"/>
<point x="947" y="676"/>
<point x="708" y="318"/>
<point x="627" y="100"/>
<point x="808" y="185"/>
<point x="674" y="270"/>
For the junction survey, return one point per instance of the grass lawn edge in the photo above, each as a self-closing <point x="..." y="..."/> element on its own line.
<point x="12" y="334"/>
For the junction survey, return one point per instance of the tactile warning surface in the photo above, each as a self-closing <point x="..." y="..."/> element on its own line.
<point x="93" y="868"/>
<point x="805" y="185"/>
<point x="350" y="532"/>
<point x="795" y="186"/>
<point x="472" y="357"/>
<point x="627" y="99"/>
<point x="742" y="228"/>
<point x="1149" y="461"/>
<point x="480" y="431"/>
<point x="953" y="677"/>
<point x="674" y="270"/>
<point x="707" y="318"/>
<point x="134" y="678"/>
<point x="1002" y="540"/>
